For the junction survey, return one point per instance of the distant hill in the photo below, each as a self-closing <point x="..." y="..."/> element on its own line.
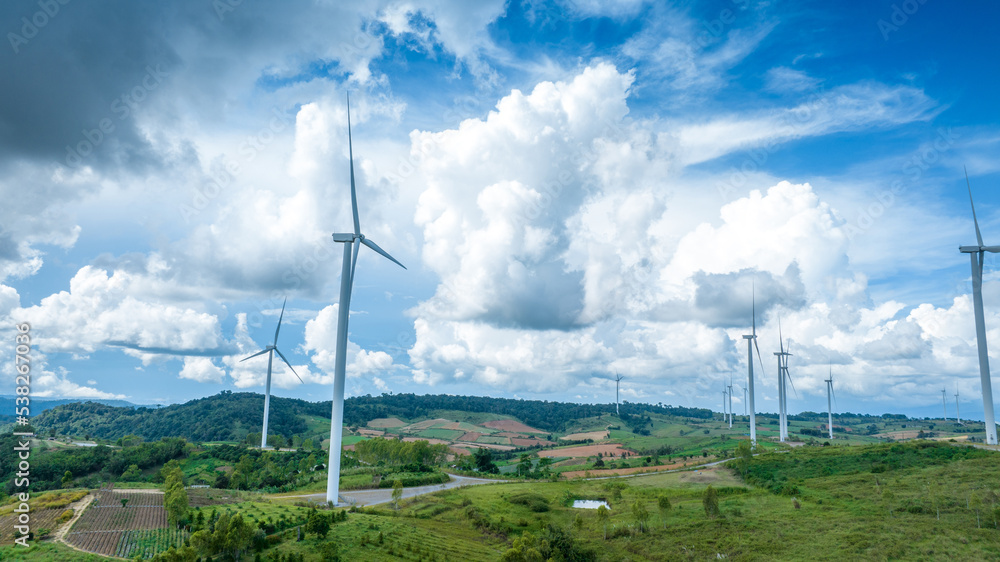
<point x="230" y="416"/>
<point x="39" y="405"/>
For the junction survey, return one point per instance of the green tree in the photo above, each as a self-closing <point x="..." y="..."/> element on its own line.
<point x="132" y="473"/>
<point x="663" y="502"/>
<point x="524" y="465"/>
<point x="318" y="524"/>
<point x="397" y="492"/>
<point x="308" y="445"/>
<point x="67" y="479"/>
<point x="744" y="454"/>
<point x="124" y="501"/>
<point x="526" y="548"/>
<point x="175" y="498"/>
<point x="711" y="502"/>
<point x="640" y="513"/>
<point x="602" y="516"/>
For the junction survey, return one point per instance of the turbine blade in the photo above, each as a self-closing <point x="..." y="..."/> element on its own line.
<point x="789" y="377"/>
<point x="979" y="237"/>
<point x="991" y="249"/>
<point x="761" y="361"/>
<point x="374" y="246"/>
<point x="354" y="260"/>
<point x="289" y="365"/>
<point x="279" y="321"/>
<point x="262" y="352"/>
<point x="780" y="342"/>
<point x="350" y="152"/>
<point x="753" y="305"/>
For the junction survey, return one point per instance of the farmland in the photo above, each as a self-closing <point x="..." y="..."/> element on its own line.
<point x="110" y="528"/>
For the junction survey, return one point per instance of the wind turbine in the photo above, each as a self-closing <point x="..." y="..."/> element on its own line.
<point x="725" y="394"/>
<point x="976" y="254"/>
<point x="958" y="417"/>
<point x="829" y="406"/>
<point x="352" y="242"/>
<point x="730" y="387"/>
<point x="944" y="403"/>
<point x="618" y="380"/>
<point x="270" y="351"/>
<point x="782" y="392"/>
<point x="744" y="400"/>
<point x="751" y="345"/>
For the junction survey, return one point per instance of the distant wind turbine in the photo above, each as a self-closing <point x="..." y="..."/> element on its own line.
<point x="725" y="395"/>
<point x="829" y="405"/>
<point x="958" y="417"/>
<point x="783" y="375"/>
<point x="976" y="254"/>
<point x="730" y="387"/>
<point x="270" y="351"/>
<point x="944" y="403"/>
<point x="352" y="242"/>
<point x="618" y="380"/>
<point x="751" y="345"/>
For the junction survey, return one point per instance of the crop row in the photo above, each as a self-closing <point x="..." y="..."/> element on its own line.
<point x="148" y="543"/>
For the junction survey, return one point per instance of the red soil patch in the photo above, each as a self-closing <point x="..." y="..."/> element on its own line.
<point x="613" y="449"/>
<point x="453" y="425"/>
<point x="470" y="436"/>
<point x="459" y="451"/>
<point x="511" y="425"/>
<point x="511" y="434"/>
<point x="371" y="432"/>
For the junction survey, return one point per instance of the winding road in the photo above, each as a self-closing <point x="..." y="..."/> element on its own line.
<point x="384" y="495"/>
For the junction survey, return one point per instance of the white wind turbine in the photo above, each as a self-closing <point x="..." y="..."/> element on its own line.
<point x="958" y="417"/>
<point x="352" y="242"/>
<point x="751" y="345"/>
<point x="725" y="414"/>
<point x="783" y="356"/>
<point x="976" y="254"/>
<point x="618" y="380"/>
<point x="829" y="405"/>
<point x="730" y="387"/>
<point x="944" y="403"/>
<point x="270" y="351"/>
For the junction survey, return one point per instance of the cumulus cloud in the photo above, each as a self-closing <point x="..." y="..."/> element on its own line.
<point x="321" y="343"/>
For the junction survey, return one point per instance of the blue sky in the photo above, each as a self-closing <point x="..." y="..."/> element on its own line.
<point x="577" y="188"/>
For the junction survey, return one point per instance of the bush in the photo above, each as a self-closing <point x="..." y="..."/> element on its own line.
<point x="534" y="502"/>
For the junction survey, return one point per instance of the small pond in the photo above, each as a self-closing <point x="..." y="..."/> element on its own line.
<point x="590" y="504"/>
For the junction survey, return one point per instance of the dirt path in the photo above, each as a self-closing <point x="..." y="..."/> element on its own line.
<point x="78" y="507"/>
<point x="384" y="495"/>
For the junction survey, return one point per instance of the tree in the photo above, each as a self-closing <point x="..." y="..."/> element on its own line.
<point x="484" y="461"/>
<point x="711" y="502"/>
<point x="175" y="498"/>
<point x="397" y="492"/>
<point x="526" y="548"/>
<point x="524" y="465"/>
<point x="602" y="516"/>
<point x="132" y="473"/>
<point x="276" y="440"/>
<point x="124" y="501"/>
<point x="318" y="524"/>
<point x="744" y="454"/>
<point x="640" y="513"/>
<point x="663" y="502"/>
<point x="67" y="479"/>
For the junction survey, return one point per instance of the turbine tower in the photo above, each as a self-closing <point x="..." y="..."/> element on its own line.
<point x="829" y="405"/>
<point x="976" y="254"/>
<point x="725" y="394"/>
<point x="751" y="345"/>
<point x="730" y="387"/>
<point x="782" y="389"/>
<point x="944" y="403"/>
<point x="618" y="380"/>
<point x="270" y="351"/>
<point x="744" y="400"/>
<point x="958" y="417"/>
<point x="352" y="242"/>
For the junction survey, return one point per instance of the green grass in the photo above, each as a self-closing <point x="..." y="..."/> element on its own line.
<point x="46" y="552"/>
<point x="446" y="434"/>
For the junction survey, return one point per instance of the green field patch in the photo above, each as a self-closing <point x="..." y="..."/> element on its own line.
<point x="445" y="434"/>
<point x="490" y="439"/>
